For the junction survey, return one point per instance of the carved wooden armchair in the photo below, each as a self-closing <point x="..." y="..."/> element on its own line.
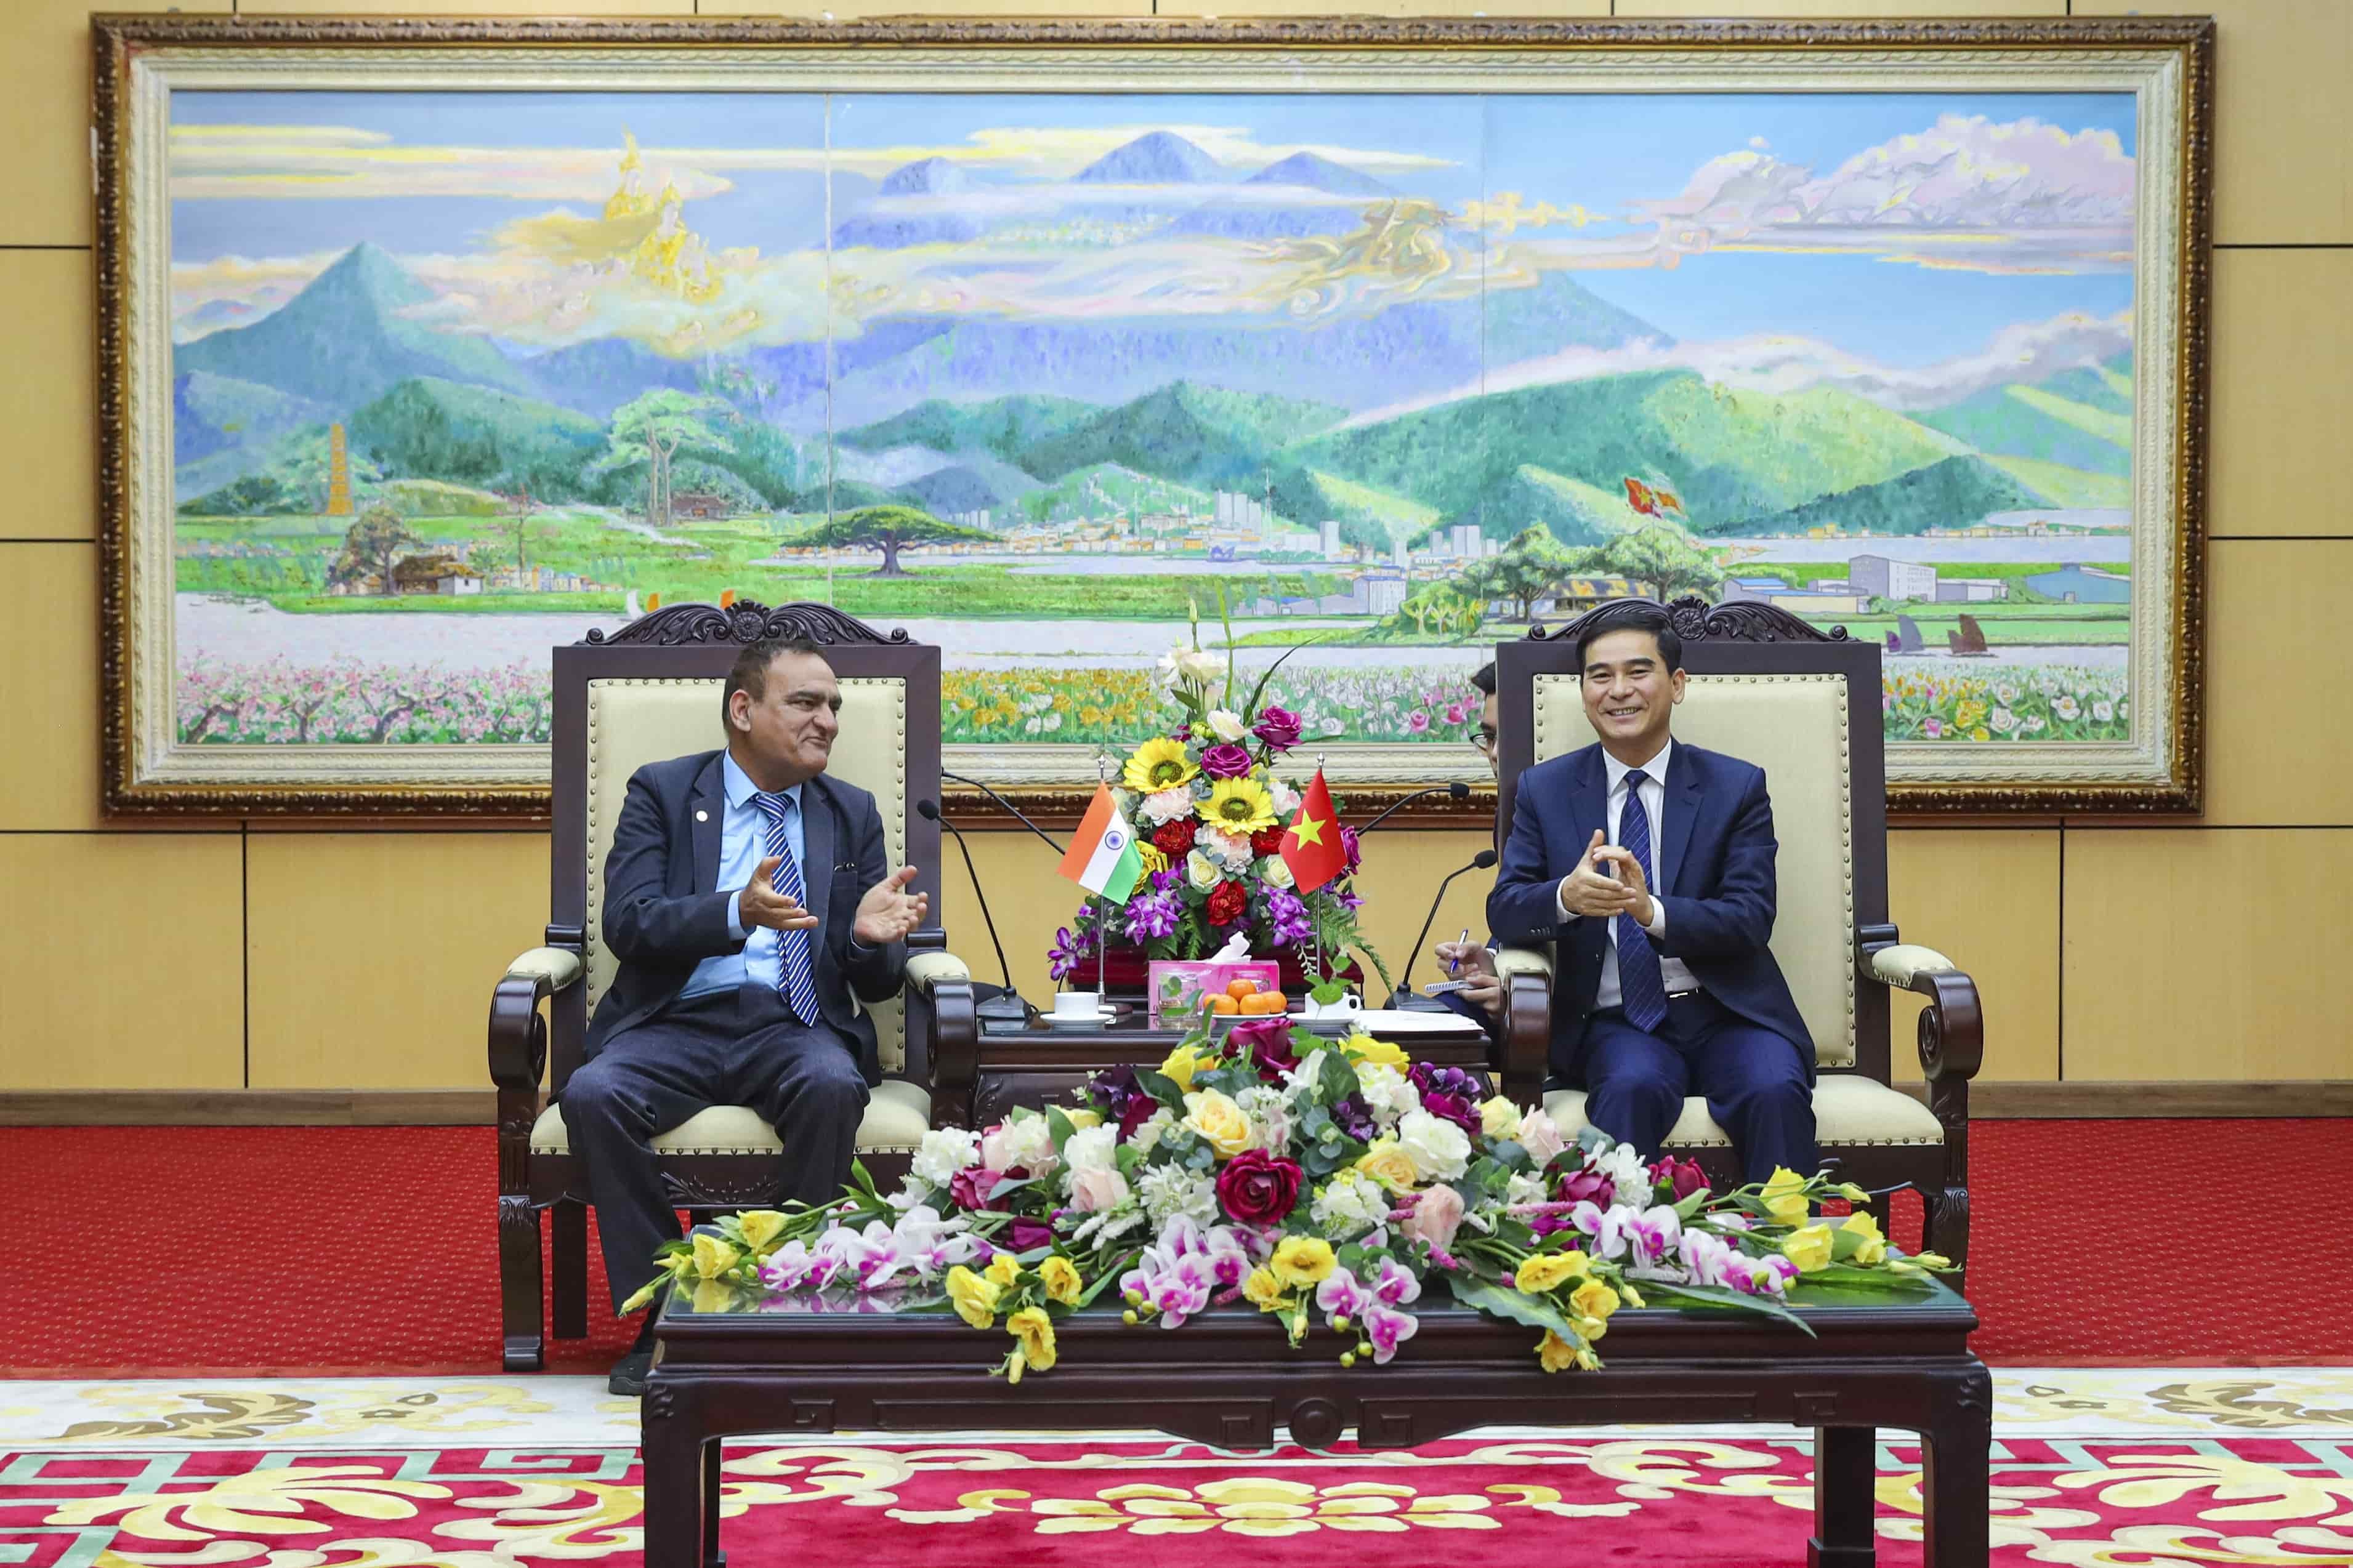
<point x="649" y="692"/>
<point x="1805" y="707"/>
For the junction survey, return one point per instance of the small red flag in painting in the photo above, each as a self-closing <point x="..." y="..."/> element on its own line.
<point x="1640" y="497"/>
<point x="1310" y="845"/>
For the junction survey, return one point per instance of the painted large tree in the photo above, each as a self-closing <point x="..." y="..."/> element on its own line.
<point x="651" y="431"/>
<point x="1662" y="559"/>
<point x="1524" y="571"/>
<point x="371" y="548"/>
<point x="889" y="529"/>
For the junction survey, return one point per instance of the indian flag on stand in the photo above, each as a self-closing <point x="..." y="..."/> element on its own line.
<point x="1102" y="858"/>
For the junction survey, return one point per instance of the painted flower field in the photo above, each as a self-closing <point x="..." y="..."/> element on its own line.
<point x="1114" y="706"/>
<point x="2056" y="703"/>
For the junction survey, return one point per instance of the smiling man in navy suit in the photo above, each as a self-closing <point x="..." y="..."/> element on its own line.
<point x="1649" y="863"/>
<point x="751" y="905"/>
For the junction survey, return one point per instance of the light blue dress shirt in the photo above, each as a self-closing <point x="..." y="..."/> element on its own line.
<point x="742" y="845"/>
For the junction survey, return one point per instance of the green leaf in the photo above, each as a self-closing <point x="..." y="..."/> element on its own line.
<point x="1159" y="1086"/>
<point x="1112" y="1271"/>
<point x="1336" y="1079"/>
<point x="862" y="1180"/>
<point x="1249" y="708"/>
<point x="1059" y="1126"/>
<point x="1501" y="1301"/>
<point x="1868" y="1278"/>
<point x="1721" y="1296"/>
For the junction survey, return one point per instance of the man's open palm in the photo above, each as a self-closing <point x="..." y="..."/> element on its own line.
<point x="888" y="912"/>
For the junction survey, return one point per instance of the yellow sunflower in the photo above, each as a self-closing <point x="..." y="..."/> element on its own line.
<point x="1238" y="805"/>
<point x="1156" y="765"/>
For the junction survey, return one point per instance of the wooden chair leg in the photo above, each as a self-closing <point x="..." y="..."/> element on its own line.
<point x="571" y="1258"/>
<point x="520" y="1309"/>
<point x="1945" y="1228"/>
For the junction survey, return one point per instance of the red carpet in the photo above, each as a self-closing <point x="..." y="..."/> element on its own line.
<point x="228" y="1250"/>
<point x="1696" y="1502"/>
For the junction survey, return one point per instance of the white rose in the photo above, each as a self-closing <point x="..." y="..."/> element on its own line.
<point x="1099" y="1189"/>
<point x="1388" y="1092"/>
<point x="1276" y="870"/>
<point x="1025" y="1142"/>
<point x="1286" y="799"/>
<point x="1224" y="725"/>
<point x="1090" y="1149"/>
<point x="1201" y="871"/>
<point x="944" y="1151"/>
<point x="1439" y="1150"/>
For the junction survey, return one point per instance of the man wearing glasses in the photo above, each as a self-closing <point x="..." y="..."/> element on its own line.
<point x="1472" y="963"/>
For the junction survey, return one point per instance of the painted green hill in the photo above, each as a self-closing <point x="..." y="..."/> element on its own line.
<point x="1736" y="455"/>
<point x="1196" y="435"/>
<point x="2079" y="419"/>
<point x="1951" y="494"/>
<point x="347" y="337"/>
<point x="425" y="427"/>
<point x="1002" y="425"/>
<point x="223" y="427"/>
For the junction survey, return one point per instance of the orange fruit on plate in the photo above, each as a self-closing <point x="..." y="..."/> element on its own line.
<point x="1265" y="1002"/>
<point x="1238" y="989"/>
<point x="1224" y="1005"/>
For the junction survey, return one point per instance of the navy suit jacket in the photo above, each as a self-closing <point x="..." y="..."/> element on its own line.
<point x="662" y="916"/>
<point x="1714" y="867"/>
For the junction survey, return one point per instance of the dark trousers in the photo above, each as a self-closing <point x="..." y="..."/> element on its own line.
<point x="726" y="1048"/>
<point x="1754" y="1080"/>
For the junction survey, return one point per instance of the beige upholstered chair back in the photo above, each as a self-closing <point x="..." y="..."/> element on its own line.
<point x="1794" y="726"/>
<point x="632" y="721"/>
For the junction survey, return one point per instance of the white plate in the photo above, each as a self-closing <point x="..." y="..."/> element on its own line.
<point x="1080" y="1020"/>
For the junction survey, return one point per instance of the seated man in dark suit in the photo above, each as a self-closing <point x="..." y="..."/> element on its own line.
<point x="748" y="899"/>
<point x="1658" y="994"/>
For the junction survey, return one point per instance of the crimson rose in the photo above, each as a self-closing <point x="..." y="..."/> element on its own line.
<point x="1581" y="1184"/>
<point x="1266" y="841"/>
<point x="1278" y="727"/>
<point x="1227" y="903"/>
<point x="1257" y="1188"/>
<point x="1266" y="1043"/>
<point x="1226" y="761"/>
<point x="1173" y="838"/>
<point x="1683" y="1176"/>
<point x="970" y="1187"/>
<point x="1024" y="1233"/>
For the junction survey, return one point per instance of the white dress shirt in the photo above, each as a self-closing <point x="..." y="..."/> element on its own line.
<point x="1654" y="805"/>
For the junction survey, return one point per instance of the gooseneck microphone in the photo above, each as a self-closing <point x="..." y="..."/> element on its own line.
<point x="1011" y="809"/>
<point x="1479" y="862"/>
<point x="1458" y="790"/>
<point x="1009" y="1007"/>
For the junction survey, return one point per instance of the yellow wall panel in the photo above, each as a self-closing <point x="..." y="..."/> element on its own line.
<point x="2212" y="955"/>
<point x="372" y="955"/>
<point x="119" y="962"/>
<point x="2283" y="380"/>
<point x="47" y="403"/>
<point x="1544" y="8"/>
<point x="451" y="7"/>
<point x="2284" y="165"/>
<point x="1874" y="9"/>
<point x="45" y="118"/>
<point x="48" y="701"/>
<point x="2279" y="688"/>
<point x="850" y="10"/>
<point x="1988" y="900"/>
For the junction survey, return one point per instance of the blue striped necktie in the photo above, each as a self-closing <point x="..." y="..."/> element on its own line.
<point x="796" y="977"/>
<point x="1641" y="985"/>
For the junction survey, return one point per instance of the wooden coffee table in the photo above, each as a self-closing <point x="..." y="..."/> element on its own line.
<point x="1229" y="1379"/>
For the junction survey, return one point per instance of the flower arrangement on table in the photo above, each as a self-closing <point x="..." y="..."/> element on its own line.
<point x="1225" y="847"/>
<point x="1303" y="1177"/>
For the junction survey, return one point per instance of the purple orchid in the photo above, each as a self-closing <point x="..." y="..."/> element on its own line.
<point x="1387" y="1327"/>
<point x="1341" y="1296"/>
<point x="1153" y="914"/>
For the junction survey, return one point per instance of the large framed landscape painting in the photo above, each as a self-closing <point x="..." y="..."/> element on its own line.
<point x="1358" y="346"/>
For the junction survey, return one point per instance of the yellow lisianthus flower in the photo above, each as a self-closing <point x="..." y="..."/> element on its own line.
<point x="975" y="1297"/>
<point x="1499" y="1118"/>
<point x="1785" y="1195"/>
<point x="1002" y="1271"/>
<point x="1060" y="1278"/>
<point x="1262" y="1290"/>
<point x="1302" y="1260"/>
<point x="1628" y="1294"/>
<point x="1182" y="1063"/>
<point x="1240" y="806"/>
<point x="1874" y="1246"/>
<point x="1034" y="1330"/>
<point x="1590" y="1329"/>
<point x="1389" y="1165"/>
<point x="1555" y="1353"/>
<point x="1363" y="1047"/>
<point x="1158" y="765"/>
<point x="1082" y="1117"/>
<point x="1548" y="1269"/>
<point x="713" y="1257"/>
<point x="1220" y="1123"/>
<point x="1809" y="1247"/>
<point x="1593" y="1300"/>
<point x="761" y="1227"/>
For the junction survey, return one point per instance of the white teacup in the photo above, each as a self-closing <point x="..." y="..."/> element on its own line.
<point x="1078" y="1004"/>
<point x="1349" y="1005"/>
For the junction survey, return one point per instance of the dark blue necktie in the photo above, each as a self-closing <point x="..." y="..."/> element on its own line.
<point x="1641" y="987"/>
<point x="796" y="977"/>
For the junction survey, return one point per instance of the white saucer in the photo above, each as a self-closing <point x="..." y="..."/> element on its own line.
<point x="1083" y="1020"/>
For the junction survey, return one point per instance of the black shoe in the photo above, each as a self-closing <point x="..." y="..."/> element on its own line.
<point x="628" y="1378"/>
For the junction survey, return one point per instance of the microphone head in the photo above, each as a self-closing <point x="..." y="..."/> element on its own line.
<point x="1484" y="858"/>
<point x="927" y="811"/>
<point x="1458" y="790"/>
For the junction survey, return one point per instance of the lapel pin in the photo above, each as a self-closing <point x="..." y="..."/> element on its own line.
<point x="701" y="817"/>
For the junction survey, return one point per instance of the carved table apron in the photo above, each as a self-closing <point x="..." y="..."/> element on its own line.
<point x="1875" y="1360"/>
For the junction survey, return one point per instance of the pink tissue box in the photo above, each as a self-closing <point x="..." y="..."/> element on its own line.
<point x="1196" y="976"/>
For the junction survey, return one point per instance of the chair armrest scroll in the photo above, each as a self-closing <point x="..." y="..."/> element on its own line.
<point x="1523" y="1041"/>
<point x="518" y="1036"/>
<point x="942" y="1026"/>
<point x="1899" y="963"/>
<point x="1952" y="1025"/>
<point x="925" y="970"/>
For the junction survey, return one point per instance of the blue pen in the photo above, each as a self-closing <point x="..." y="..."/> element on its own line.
<point x="1455" y="964"/>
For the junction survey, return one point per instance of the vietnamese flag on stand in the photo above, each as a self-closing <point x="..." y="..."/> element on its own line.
<point x="1310" y="845"/>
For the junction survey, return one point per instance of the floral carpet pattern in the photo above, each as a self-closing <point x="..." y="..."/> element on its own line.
<point x="2240" y="1466"/>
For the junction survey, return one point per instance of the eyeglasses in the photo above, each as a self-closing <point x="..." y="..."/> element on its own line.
<point x="1484" y="745"/>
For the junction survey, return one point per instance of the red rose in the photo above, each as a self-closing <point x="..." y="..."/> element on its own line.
<point x="1266" y="841"/>
<point x="1257" y="1188"/>
<point x="1683" y="1177"/>
<point x="1582" y="1184"/>
<point x="970" y="1187"/>
<point x="1266" y="1042"/>
<point x="1227" y="903"/>
<point x="1173" y="838"/>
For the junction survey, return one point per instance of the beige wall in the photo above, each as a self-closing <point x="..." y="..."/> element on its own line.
<point x="247" y="956"/>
